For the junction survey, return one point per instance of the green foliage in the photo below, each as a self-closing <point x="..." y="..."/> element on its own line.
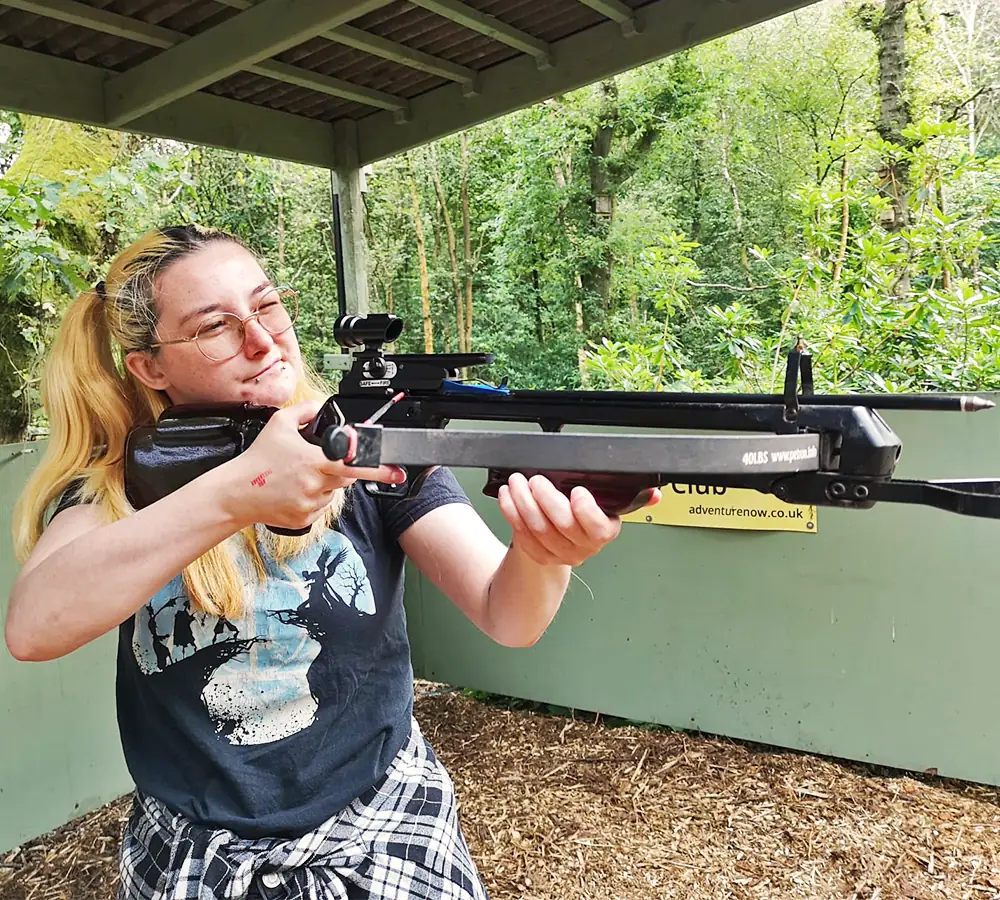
<point x="804" y="277"/>
<point x="37" y="274"/>
<point x="647" y="354"/>
<point x="63" y="153"/>
<point x="866" y="335"/>
<point x="11" y="139"/>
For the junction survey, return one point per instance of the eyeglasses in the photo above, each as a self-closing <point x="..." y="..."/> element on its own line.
<point x="222" y="337"/>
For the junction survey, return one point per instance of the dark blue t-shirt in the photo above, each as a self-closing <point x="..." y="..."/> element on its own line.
<point x="271" y="724"/>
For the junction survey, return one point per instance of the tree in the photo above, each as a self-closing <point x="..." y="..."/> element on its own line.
<point x="894" y="108"/>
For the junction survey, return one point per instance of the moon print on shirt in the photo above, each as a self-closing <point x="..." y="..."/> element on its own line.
<point x="260" y="679"/>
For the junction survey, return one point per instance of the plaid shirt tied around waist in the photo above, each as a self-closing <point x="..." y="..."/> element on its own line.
<point x="400" y="840"/>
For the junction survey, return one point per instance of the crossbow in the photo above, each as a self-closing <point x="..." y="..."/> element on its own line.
<point x="804" y="448"/>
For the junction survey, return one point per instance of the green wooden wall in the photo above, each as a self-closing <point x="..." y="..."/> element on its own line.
<point x="872" y="640"/>
<point x="59" y="750"/>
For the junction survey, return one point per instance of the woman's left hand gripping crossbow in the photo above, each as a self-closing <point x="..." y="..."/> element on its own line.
<point x="553" y="529"/>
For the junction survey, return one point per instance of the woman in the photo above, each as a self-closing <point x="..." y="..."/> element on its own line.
<point x="264" y="685"/>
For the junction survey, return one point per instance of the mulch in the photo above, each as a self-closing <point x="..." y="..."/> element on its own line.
<point x="576" y="806"/>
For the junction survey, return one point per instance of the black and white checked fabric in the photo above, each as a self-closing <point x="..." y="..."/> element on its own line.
<point x="401" y="840"/>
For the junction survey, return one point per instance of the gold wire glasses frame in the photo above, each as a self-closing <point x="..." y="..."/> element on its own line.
<point x="222" y="336"/>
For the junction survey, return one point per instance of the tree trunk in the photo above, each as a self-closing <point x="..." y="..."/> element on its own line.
<point x="945" y="255"/>
<point x="845" y="223"/>
<point x="425" y="284"/>
<point x="559" y="171"/>
<point x="894" y="110"/>
<point x="436" y="221"/>
<point x="15" y="414"/>
<point x="737" y="209"/>
<point x="467" y="234"/>
<point x="537" y="284"/>
<point x="967" y="13"/>
<point x="452" y="253"/>
<point x="281" y="233"/>
<point x="697" y="191"/>
<point x="581" y="352"/>
<point x="596" y="278"/>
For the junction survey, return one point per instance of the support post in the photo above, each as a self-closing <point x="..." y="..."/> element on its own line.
<point x="347" y="183"/>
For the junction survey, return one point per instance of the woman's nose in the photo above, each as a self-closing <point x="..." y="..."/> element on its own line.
<point x="256" y="336"/>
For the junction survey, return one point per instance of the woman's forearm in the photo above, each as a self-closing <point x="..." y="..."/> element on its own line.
<point x="100" y="574"/>
<point x="523" y="598"/>
<point x="94" y="582"/>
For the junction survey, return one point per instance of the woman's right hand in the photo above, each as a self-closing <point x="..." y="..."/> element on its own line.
<point x="285" y="481"/>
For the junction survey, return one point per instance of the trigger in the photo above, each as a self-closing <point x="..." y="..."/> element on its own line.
<point x="392" y="491"/>
<point x="409" y="488"/>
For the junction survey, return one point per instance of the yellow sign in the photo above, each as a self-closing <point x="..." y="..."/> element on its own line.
<point x="701" y="506"/>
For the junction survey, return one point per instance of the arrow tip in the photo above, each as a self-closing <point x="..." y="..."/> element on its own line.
<point x="975" y="404"/>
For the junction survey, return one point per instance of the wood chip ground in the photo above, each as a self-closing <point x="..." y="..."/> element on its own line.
<point x="570" y="807"/>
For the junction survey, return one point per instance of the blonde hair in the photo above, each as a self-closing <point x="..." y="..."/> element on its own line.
<point x="92" y="402"/>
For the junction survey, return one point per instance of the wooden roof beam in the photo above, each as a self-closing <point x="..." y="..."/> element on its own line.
<point x="474" y="20"/>
<point x="617" y="12"/>
<point x="76" y="13"/>
<point x="44" y="85"/>
<point x="379" y="46"/>
<point x="247" y="39"/>
<point x="73" y="13"/>
<point x="376" y="45"/>
<point x="334" y="87"/>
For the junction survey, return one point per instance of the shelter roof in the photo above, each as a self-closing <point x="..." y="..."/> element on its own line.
<point x="331" y="82"/>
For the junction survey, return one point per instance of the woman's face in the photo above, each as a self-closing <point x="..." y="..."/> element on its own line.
<point x="219" y="277"/>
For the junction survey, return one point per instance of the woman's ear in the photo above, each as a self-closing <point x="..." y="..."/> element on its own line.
<point x="145" y="367"/>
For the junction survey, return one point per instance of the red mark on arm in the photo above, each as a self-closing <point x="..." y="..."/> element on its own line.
<point x="261" y="479"/>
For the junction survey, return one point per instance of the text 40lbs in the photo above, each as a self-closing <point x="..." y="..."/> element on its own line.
<point x="762" y="457"/>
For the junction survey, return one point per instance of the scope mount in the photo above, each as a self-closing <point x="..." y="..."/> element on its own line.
<point x="374" y="373"/>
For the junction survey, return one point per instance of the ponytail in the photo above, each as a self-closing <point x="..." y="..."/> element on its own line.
<point x="90" y="408"/>
<point x="92" y="403"/>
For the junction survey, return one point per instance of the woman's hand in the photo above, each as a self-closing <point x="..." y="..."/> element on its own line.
<point x="285" y="481"/>
<point x="553" y="529"/>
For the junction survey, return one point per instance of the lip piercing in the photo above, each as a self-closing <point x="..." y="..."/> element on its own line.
<point x="257" y="379"/>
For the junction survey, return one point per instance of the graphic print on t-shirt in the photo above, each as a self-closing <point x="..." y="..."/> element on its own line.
<point x="261" y="678"/>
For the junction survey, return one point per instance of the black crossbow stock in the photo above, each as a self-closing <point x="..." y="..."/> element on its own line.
<point x="802" y="447"/>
